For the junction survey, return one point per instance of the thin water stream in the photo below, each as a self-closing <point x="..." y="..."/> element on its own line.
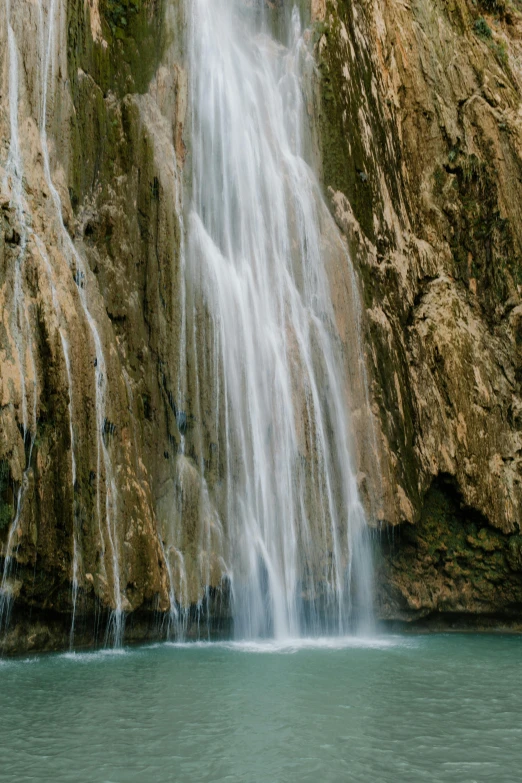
<point x="13" y="180"/>
<point x="107" y="494"/>
<point x="50" y="24"/>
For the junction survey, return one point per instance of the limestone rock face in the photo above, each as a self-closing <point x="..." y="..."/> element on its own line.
<point x="89" y="253"/>
<point x="421" y="140"/>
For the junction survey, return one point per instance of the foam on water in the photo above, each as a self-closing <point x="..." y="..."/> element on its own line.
<point x="271" y="646"/>
<point x="13" y="663"/>
<point x="260" y="647"/>
<point x="96" y="655"/>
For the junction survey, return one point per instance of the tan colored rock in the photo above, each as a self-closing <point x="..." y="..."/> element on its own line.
<point x="427" y="115"/>
<point x="318" y="10"/>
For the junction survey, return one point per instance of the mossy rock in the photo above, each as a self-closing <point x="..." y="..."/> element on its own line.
<point x="6" y="496"/>
<point x="482" y="241"/>
<point x="455" y="553"/>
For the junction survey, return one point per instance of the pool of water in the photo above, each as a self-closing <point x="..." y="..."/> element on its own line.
<point x="397" y="709"/>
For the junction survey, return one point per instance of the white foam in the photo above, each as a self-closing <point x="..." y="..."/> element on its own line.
<point x="9" y="663"/>
<point x="97" y="655"/>
<point x="294" y="645"/>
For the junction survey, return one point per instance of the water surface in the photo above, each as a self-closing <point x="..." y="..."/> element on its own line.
<point x="433" y="708"/>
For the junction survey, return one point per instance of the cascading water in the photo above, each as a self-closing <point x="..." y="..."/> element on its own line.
<point x="50" y="21"/>
<point x="262" y="325"/>
<point x="108" y="515"/>
<point x="21" y="327"/>
<point x="265" y="468"/>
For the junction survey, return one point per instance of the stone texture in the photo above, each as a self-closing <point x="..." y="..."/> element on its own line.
<point x="114" y="132"/>
<point x="420" y="131"/>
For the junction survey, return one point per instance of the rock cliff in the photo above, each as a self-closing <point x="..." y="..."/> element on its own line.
<point x="421" y="143"/>
<point x="116" y="97"/>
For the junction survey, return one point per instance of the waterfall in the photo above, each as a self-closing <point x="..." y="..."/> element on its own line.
<point x="107" y="512"/>
<point x="50" y="23"/>
<point x="20" y="318"/>
<point x="266" y="503"/>
<point x="262" y="333"/>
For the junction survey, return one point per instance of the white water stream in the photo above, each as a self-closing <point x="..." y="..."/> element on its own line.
<point x="50" y="26"/>
<point x="107" y="507"/>
<point x="20" y="320"/>
<point x="258" y="238"/>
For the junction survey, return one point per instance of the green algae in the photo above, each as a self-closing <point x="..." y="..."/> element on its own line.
<point x="453" y="545"/>
<point x="6" y="496"/>
<point x="482" y="241"/>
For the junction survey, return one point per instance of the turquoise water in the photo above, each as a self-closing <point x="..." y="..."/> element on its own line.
<point x="425" y="708"/>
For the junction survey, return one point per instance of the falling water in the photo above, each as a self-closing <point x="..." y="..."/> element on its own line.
<point x="51" y="277"/>
<point x="76" y="533"/>
<point x="264" y="333"/>
<point x="257" y="324"/>
<point x="50" y="23"/>
<point x="21" y="327"/>
<point x="108" y="514"/>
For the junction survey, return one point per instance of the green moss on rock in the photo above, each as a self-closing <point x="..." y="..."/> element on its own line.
<point x="6" y="496"/>
<point x="453" y="560"/>
<point x="482" y="240"/>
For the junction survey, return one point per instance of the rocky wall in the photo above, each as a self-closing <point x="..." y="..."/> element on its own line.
<point x="421" y="143"/>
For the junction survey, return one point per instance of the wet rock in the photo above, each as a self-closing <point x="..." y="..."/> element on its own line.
<point x="420" y="103"/>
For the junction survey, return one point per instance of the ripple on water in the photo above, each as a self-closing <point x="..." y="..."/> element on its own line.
<point x="439" y="709"/>
<point x="12" y="663"/>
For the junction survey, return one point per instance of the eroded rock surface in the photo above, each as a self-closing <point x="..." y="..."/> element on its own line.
<point x="115" y="91"/>
<point x="421" y="141"/>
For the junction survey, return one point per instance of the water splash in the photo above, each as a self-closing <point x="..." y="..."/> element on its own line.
<point x="259" y="241"/>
